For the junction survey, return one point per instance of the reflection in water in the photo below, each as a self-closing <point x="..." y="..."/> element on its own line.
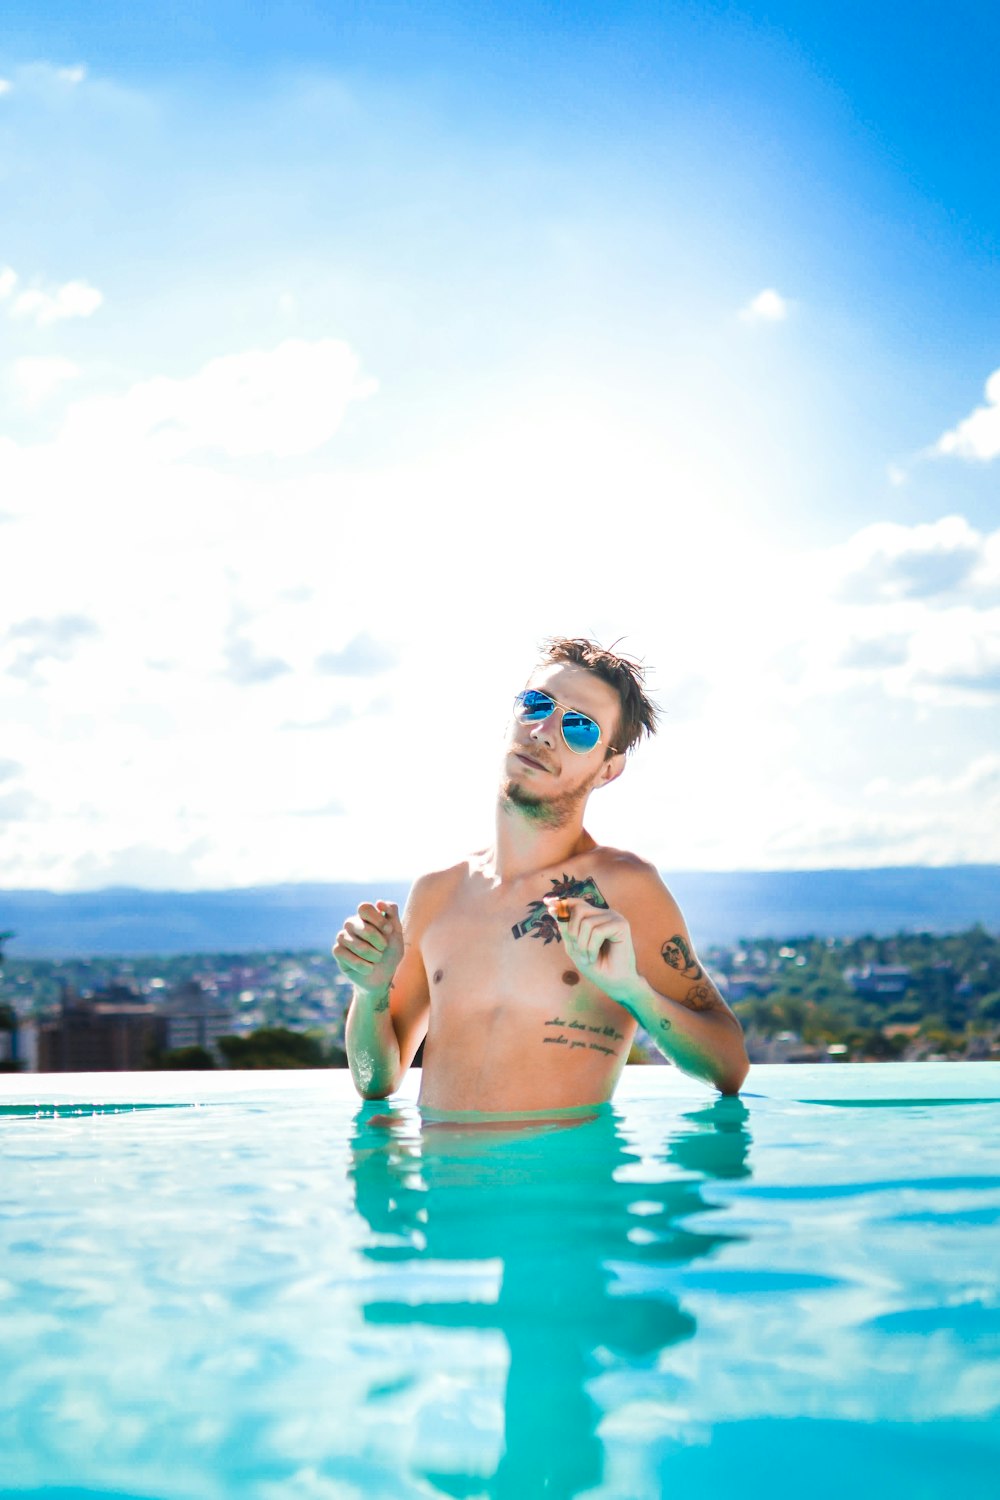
<point x="562" y="1205"/>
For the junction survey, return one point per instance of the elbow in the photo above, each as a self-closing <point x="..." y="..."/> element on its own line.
<point x="370" y="1091"/>
<point x="732" y="1078"/>
<point x="369" y="1083"/>
<point x="729" y="1088"/>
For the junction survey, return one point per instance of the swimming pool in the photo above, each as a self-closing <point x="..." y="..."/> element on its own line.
<point x="244" y="1287"/>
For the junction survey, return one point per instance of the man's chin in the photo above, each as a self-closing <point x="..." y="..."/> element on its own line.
<point x="518" y="796"/>
<point x="552" y="812"/>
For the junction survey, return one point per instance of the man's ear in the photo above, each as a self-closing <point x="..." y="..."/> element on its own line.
<point x="611" y="770"/>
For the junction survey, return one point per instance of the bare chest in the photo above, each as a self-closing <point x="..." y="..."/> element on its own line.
<point x="506" y="952"/>
<point x="513" y="1023"/>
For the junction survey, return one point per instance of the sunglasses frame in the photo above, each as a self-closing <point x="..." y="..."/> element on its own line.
<point x="566" y="709"/>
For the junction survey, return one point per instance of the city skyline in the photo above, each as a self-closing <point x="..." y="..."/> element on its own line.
<point x="345" y="356"/>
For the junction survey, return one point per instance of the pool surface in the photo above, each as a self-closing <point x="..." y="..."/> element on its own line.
<point x="239" y="1284"/>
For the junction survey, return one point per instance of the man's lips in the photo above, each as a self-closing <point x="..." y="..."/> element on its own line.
<point x="530" y="760"/>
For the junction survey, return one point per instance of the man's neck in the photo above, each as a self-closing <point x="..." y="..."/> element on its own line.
<point x="523" y="847"/>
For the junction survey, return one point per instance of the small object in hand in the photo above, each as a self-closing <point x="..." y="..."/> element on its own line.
<point x="562" y="911"/>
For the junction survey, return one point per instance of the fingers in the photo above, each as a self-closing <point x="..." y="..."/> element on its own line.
<point x="388" y="914"/>
<point x="587" y="930"/>
<point x="362" y="937"/>
<point x="377" y="922"/>
<point x="359" y="934"/>
<point x="382" y="915"/>
<point x="355" y="968"/>
<point x="375" y="915"/>
<point x="595" y="931"/>
<point x="363" y="941"/>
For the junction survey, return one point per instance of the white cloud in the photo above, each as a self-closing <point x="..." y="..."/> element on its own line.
<point x="888" y="561"/>
<point x="36" y="377"/>
<point x="72" y="75"/>
<point x="875" y="652"/>
<point x="363" y="656"/>
<point x="956" y="656"/>
<point x="8" y="281"/>
<point x="978" y="436"/>
<point x="5" y="86"/>
<point x="19" y="806"/>
<point x="767" y="307"/>
<point x="283" y="402"/>
<point x="907" y="613"/>
<point x="35" y="642"/>
<point x="246" y="665"/>
<point x="74" y="299"/>
<point x="981" y="775"/>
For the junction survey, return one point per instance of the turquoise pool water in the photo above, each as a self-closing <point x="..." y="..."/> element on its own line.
<point x="248" y="1288"/>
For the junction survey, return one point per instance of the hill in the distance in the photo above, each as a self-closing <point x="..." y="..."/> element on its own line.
<point x="719" y="908"/>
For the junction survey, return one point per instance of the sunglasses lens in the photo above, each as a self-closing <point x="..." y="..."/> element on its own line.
<point x="531" y="706"/>
<point x="579" y="732"/>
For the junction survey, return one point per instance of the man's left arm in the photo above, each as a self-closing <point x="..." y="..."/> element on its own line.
<point x="646" y="962"/>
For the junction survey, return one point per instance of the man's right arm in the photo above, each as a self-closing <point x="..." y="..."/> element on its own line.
<point x="388" y="1014"/>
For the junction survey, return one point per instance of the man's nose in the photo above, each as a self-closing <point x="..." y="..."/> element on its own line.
<point x="546" y="731"/>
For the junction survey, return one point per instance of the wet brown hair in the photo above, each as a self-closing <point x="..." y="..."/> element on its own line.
<point x="637" y="714"/>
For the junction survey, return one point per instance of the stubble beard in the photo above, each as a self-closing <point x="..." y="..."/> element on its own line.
<point x="547" y="812"/>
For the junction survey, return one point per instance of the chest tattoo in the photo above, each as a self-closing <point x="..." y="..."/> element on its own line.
<point x="540" y="924"/>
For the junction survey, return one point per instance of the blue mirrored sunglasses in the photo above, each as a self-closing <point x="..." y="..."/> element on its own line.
<point x="580" y="732"/>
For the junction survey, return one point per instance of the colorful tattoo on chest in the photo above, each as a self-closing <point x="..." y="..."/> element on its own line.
<point x="540" y="924"/>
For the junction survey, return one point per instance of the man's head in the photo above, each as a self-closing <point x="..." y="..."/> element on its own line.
<point x="582" y="709"/>
<point x="637" y="714"/>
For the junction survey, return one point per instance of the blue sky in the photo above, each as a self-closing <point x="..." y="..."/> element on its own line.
<point x="343" y="346"/>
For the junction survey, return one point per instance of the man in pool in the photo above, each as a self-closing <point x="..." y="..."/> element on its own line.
<point x="527" y="967"/>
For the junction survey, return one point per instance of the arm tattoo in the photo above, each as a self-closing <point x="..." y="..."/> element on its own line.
<point x="540" y="924"/>
<point x="677" y="953"/>
<point x="701" y="997"/>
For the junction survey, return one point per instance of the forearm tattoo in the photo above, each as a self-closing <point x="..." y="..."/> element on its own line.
<point x="540" y="924"/>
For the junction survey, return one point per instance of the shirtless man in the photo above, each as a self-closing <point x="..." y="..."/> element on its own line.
<point x="528" y="965"/>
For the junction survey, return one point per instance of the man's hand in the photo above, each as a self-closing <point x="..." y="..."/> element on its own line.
<point x="599" y="941"/>
<point x="369" y="947"/>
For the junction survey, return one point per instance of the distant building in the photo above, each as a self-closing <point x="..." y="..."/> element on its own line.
<point x="884" y="981"/>
<point x="194" y="1018"/>
<point x="8" y="1038"/>
<point x="786" y="1047"/>
<point x="114" y="1031"/>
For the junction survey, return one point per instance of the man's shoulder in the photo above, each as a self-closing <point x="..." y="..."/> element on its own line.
<point x="624" y="864"/>
<point x="629" y="873"/>
<point x="437" y="885"/>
